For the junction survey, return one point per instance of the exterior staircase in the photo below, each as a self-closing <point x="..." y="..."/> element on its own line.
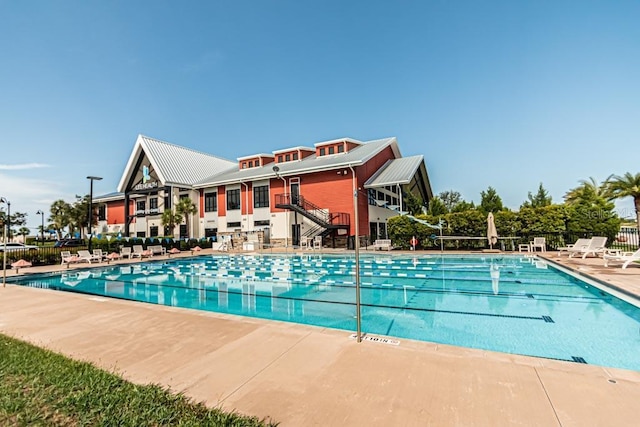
<point x="326" y="222"/>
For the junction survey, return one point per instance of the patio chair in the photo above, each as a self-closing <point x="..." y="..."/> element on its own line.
<point x="98" y="255"/>
<point x="125" y="252"/>
<point x="596" y="246"/>
<point x="317" y="242"/>
<point x="138" y="251"/>
<point x="85" y="256"/>
<point x="538" y="242"/>
<point x="625" y="258"/>
<point x="67" y="258"/>
<point x="383" y="244"/>
<point x="580" y="243"/>
<point x="304" y="242"/>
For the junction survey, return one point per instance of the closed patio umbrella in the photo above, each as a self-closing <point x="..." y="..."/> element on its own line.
<point x="492" y="233"/>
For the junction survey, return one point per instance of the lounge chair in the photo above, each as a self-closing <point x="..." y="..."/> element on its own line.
<point x="304" y="242"/>
<point x="538" y="242"/>
<point x="138" y="251"/>
<point x="67" y="258"/>
<point x="596" y="246"/>
<point x="580" y="243"/>
<point x="98" y="255"/>
<point x="125" y="252"/>
<point x="382" y="244"/>
<point x="317" y="242"/>
<point x="157" y="250"/>
<point x="625" y="258"/>
<point x="86" y="256"/>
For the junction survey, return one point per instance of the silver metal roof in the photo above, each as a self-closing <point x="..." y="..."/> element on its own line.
<point x="354" y="157"/>
<point x="175" y="165"/>
<point x="396" y="171"/>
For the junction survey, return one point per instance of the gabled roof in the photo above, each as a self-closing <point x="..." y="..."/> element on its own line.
<point x="355" y="157"/>
<point x="174" y="165"/>
<point x="395" y="171"/>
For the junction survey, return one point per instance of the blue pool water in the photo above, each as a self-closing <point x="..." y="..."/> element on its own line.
<point x="511" y="304"/>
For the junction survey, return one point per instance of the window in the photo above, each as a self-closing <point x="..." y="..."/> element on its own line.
<point x="210" y="232"/>
<point x="295" y="156"/>
<point x="280" y="158"/>
<point x="372" y="197"/>
<point x="287" y="157"/>
<point x="261" y="196"/>
<point x="331" y="150"/>
<point x="183" y="231"/>
<point x="261" y="223"/>
<point x="322" y="151"/>
<point x="244" y="165"/>
<point x="341" y="148"/>
<point x="211" y="202"/>
<point x="102" y="212"/>
<point x="233" y="199"/>
<point x="141" y="206"/>
<point x="153" y="203"/>
<point x="251" y="163"/>
<point x="153" y="231"/>
<point x="167" y="202"/>
<point x="233" y="224"/>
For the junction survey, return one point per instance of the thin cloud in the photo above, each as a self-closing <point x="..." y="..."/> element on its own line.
<point x="24" y="166"/>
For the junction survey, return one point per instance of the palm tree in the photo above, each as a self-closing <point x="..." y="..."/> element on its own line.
<point x="627" y="185"/>
<point x="186" y="208"/>
<point x="170" y="219"/>
<point x="23" y="231"/>
<point x="587" y="190"/>
<point x="60" y="216"/>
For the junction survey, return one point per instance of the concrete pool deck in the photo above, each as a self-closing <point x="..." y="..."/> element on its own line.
<point x="303" y="375"/>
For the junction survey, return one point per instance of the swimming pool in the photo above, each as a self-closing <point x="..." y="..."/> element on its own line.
<point x="511" y="304"/>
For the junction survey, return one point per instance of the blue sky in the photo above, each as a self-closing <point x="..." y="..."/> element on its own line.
<point x="508" y="94"/>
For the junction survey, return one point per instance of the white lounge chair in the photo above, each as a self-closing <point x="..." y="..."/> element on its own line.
<point x="382" y="244"/>
<point x="86" y="256"/>
<point x="317" y="242"/>
<point x="625" y="258"/>
<point x="580" y="243"/>
<point x="304" y="242"/>
<point x="596" y="246"/>
<point x="125" y="252"/>
<point x="538" y="242"/>
<point x="98" y="255"/>
<point x="67" y="258"/>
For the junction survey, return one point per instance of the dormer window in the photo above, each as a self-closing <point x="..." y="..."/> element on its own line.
<point x="287" y="157"/>
<point x="244" y="165"/>
<point x="341" y="148"/>
<point x="280" y="159"/>
<point x="295" y="156"/>
<point x="322" y="151"/>
<point x="331" y="150"/>
<point x="250" y="164"/>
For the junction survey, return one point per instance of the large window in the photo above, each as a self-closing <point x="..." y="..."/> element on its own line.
<point x="102" y="212"/>
<point x="211" y="202"/>
<point x="233" y="199"/>
<point x="261" y="196"/>
<point x="141" y="207"/>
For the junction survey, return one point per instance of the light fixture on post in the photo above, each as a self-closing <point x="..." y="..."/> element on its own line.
<point x="42" y="227"/>
<point x="4" y="235"/>
<point x="276" y="169"/>
<point x="356" y="246"/>
<point x="91" y="179"/>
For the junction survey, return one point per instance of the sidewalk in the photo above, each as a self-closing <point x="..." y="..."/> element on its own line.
<point x="304" y="375"/>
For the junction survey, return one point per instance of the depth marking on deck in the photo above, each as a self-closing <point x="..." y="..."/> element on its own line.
<point x="373" y="338"/>
<point x="98" y="299"/>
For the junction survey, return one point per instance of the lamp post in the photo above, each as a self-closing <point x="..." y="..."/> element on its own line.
<point x="91" y="179"/>
<point x="4" y="252"/>
<point x="357" y="255"/>
<point x="41" y="229"/>
<point x="276" y="169"/>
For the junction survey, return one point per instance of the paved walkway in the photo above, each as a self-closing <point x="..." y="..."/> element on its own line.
<point x="305" y="376"/>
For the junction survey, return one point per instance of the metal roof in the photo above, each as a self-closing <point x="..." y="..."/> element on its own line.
<point x="354" y="157"/>
<point x="175" y="164"/>
<point x="395" y="171"/>
<point x="108" y="197"/>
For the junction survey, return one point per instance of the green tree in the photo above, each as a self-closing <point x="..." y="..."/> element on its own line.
<point x="24" y="232"/>
<point x="627" y="185"/>
<point x="490" y="201"/>
<point x="587" y="190"/>
<point x="437" y="207"/>
<point x="79" y="214"/>
<point x="186" y="208"/>
<point x="464" y="206"/>
<point x="60" y="216"/>
<point x="541" y="199"/>
<point x="450" y="199"/>
<point x="169" y="220"/>
<point x="413" y="204"/>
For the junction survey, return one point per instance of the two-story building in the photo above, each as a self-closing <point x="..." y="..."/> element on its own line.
<point x="288" y="193"/>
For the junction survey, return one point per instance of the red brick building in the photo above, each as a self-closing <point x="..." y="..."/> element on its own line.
<point x="291" y="194"/>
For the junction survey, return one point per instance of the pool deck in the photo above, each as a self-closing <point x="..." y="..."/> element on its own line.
<point x="302" y="375"/>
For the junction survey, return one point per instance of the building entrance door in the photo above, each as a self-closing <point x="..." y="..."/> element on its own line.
<point x="295" y="234"/>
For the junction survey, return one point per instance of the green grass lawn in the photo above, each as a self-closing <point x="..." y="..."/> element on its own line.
<point x="42" y="388"/>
